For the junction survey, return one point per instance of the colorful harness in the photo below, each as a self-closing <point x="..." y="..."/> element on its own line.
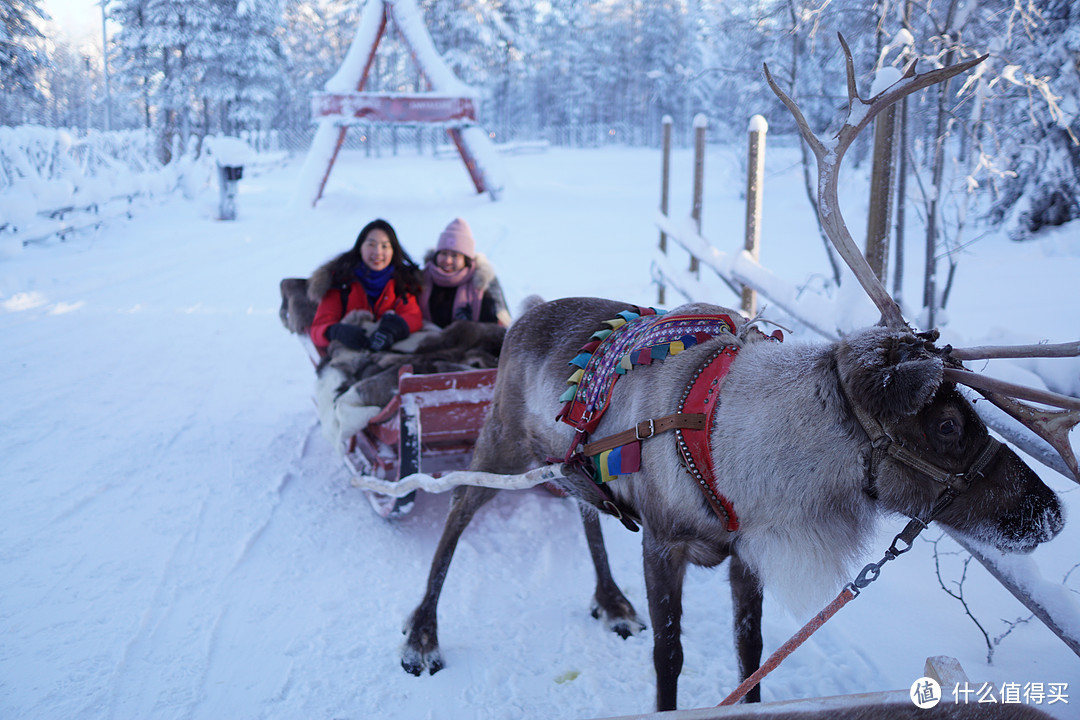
<point x="641" y="336"/>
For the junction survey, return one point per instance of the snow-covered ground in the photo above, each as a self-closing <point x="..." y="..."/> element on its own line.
<point x="179" y="541"/>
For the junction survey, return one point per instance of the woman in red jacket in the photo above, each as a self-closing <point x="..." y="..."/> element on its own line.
<point x="378" y="277"/>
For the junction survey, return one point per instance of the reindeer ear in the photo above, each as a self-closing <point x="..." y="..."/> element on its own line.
<point x="889" y="373"/>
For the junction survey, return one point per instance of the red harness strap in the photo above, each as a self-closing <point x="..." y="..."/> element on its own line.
<point x="703" y="396"/>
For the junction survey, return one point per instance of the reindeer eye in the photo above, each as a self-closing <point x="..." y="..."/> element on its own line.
<point x="948" y="427"/>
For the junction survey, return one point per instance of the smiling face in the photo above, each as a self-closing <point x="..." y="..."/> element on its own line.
<point x="449" y="261"/>
<point x="377" y="251"/>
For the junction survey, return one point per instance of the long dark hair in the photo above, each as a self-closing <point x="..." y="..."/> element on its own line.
<point x="406" y="273"/>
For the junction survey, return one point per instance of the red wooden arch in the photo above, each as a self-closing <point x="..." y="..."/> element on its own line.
<point x="450" y="103"/>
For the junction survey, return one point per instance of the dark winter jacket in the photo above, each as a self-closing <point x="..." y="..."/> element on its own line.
<point x="437" y="302"/>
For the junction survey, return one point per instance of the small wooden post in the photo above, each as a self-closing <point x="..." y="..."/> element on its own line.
<point x="755" y="178"/>
<point x="701" y="123"/>
<point x="665" y="175"/>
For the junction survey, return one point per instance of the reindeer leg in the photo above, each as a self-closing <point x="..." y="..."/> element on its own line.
<point x="618" y="614"/>
<point x="665" y="568"/>
<point x="421" y="651"/>
<point x="746" y="606"/>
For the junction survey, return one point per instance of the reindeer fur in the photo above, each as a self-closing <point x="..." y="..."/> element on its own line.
<point x="788" y="453"/>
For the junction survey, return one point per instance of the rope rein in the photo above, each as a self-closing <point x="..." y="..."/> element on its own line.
<point x="851" y="591"/>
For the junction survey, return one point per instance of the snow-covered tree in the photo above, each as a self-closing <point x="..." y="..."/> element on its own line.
<point x="314" y="36"/>
<point x="1036" y="121"/>
<point x="135" y="62"/>
<point x="243" y="77"/>
<point x="22" y="58"/>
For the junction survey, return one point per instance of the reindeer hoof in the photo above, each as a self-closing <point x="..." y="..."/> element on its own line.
<point x="623" y="621"/>
<point x="416" y="662"/>
<point x="625" y="627"/>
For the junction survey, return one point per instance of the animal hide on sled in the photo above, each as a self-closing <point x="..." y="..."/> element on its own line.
<point x="352" y="386"/>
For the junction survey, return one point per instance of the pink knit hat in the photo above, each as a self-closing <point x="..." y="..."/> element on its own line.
<point x="457" y="236"/>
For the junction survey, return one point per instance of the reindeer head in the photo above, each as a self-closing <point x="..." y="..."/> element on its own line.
<point x="929" y="445"/>
<point x="933" y="456"/>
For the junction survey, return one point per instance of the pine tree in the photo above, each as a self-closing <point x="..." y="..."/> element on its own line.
<point x="243" y="70"/>
<point x="135" y="63"/>
<point x="314" y="37"/>
<point x="22" y="58"/>
<point x="1037" y="126"/>
<point x="261" y="61"/>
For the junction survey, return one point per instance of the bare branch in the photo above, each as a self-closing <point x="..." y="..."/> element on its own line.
<point x="1020" y="586"/>
<point x="849" y="70"/>
<point x="958" y="594"/>
<point x="987" y="352"/>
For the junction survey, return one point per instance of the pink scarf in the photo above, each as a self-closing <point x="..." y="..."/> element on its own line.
<point x="467" y="295"/>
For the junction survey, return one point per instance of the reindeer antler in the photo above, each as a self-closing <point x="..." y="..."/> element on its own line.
<point x="1041" y="350"/>
<point x="829" y="156"/>
<point x="1051" y="425"/>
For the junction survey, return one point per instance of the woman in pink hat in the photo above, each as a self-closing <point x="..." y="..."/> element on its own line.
<point x="460" y="283"/>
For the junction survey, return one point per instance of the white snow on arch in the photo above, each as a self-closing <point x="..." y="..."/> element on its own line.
<point x="409" y="21"/>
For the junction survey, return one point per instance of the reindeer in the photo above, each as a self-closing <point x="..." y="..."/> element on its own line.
<point x="809" y="445"/>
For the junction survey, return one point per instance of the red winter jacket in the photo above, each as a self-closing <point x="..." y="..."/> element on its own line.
<point x="330" y="310"/>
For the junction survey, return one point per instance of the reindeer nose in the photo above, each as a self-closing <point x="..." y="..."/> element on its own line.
<point x="1053" y="520"/>
<point x="1038" y="519"/>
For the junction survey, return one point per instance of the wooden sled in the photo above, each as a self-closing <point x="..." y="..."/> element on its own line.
<point x="427" y="429"/>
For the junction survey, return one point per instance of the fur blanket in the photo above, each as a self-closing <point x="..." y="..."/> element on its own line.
<point x="353" y="386"/>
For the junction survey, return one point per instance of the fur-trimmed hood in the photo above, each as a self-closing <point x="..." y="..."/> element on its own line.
<point x="481" y="279"/>
<point x="338" y="269"/>
<point x="328" y="275"/>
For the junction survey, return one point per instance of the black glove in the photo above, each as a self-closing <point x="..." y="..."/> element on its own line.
<point x="392" y="328"/>
<point x="350" y="336"/>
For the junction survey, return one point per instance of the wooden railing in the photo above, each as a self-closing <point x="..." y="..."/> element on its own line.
<point x="946" y="671"/>
<point x="67" y="220"/>
<point x="741" y="272"/>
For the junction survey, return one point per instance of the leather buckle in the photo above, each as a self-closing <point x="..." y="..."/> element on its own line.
<point x="651" y="428"/>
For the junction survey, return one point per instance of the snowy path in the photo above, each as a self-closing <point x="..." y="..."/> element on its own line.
<point x="179" y="541"/>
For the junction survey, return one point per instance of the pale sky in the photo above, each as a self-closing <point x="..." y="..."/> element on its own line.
<point x="75" y="18"/>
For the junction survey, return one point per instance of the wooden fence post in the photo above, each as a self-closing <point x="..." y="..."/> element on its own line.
<point x="881" y="186"/>
<point x="701" y="123"/>
<point x="755" y="178"/>
<point x="665" y="174"/>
